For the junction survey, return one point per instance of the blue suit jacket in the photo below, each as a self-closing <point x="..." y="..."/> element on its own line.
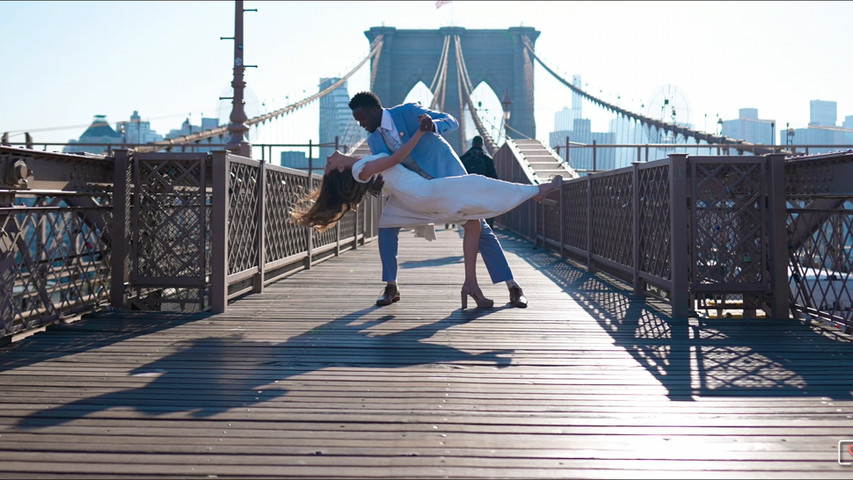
<point x="432" y="152"/>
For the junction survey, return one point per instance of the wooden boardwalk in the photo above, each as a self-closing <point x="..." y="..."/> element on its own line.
<point x="311" y="380"/>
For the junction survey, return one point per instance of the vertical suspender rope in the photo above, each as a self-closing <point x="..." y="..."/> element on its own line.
<point x="468" y="88"/>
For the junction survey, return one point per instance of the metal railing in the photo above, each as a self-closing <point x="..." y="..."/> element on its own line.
<point x="597" y="157"/>
<point x="767" y="233"/>
<point x="151" y="231"/>
<point x="190" y="231"/>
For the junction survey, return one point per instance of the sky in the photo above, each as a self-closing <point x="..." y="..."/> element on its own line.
<point x="68" y="61"/>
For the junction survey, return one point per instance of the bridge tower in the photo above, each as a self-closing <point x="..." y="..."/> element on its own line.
<point x="496" y="57"/>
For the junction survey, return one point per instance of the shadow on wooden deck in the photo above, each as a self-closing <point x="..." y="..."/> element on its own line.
<point x="702" y="356"/>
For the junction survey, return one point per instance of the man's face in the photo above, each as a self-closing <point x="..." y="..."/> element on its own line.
<point x="368" y="117"/>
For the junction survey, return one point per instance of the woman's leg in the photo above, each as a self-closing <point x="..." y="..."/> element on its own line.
<point x="470" y="248"/>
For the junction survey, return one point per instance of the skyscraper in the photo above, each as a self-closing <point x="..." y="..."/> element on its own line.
<point x="336" y="119"/>
<point x="823" y="113"/>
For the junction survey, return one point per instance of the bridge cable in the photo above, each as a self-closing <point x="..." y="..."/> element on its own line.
<point x="376" y="46"/>
<point x="675" y="129"/>
<point x="441" y="57"/>
<point x="462" y="71"/>
<point x="441" y="85"/>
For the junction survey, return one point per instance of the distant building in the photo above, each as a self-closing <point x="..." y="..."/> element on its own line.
<point x="336" y="119"/>
<point x="822" y="129"/>
<point x="206" y="124"/>
<point x="187" y="128"/>
<point x="99" y="132"/>
<point x="582" y="158"/>
<point x="749" y="128"/>
<point x="565" y="118"/>
<point x="823" y="113"/>
<point x="300" y="161"/>
<point x="848" y="125"/>
<point x="137" y="132"/>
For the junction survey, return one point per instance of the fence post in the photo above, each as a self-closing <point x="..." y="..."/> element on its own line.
<point x="777" y="212"/>
<point x="357" y="214"/>
<point x="594" y="157"/>
<point x="118" y="234"/>
<point x="309" y="231"/>
<point x="219" y="232"/>
<point x="589" y="236"/>
<point x="679" y="236"/>
<point x="258" y="286"/>
<point x="635" y="226"/>
<point x="338" y="239"/>
<point x="561" y="201"/>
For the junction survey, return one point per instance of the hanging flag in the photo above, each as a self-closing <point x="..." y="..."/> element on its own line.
<point x="441" y="3"/>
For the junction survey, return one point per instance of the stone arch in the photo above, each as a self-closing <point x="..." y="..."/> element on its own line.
<point x="496" y="57"/>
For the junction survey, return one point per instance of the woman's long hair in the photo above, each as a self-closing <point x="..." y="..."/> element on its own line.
<point x="339" y="193"/>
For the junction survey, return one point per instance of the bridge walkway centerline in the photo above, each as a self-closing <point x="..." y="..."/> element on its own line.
<point x="311" y="379"/>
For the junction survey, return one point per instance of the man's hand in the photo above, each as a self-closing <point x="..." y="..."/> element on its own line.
<point x="374" y="186"/>
<point x="426" y="123"/>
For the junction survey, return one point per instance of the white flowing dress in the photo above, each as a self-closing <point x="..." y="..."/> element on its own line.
<point x="415" y="201"/>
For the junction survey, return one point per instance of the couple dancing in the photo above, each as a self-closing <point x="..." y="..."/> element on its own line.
<point x="426" y="183"/>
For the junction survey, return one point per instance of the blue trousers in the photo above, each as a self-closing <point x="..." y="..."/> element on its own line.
<point x="490" y="249"/>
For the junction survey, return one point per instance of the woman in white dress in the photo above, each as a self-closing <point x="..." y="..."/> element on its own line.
<point x="464" y="199"/>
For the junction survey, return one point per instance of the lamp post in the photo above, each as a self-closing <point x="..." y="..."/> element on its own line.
<point x="506" y="103"/>
<point x="237" y="144"/>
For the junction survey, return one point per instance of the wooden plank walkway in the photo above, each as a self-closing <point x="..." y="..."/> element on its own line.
<point x="311" y="380"/>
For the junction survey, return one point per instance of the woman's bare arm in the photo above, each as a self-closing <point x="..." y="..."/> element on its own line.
<point x="384" y="163"/>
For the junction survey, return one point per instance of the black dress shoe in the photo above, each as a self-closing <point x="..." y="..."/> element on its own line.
<point x="389" y="296"/>
<point x="517" y="298"/>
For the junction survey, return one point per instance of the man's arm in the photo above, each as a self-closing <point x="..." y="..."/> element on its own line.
<point x="438" y="122"/>
<point x="384" y="163"/>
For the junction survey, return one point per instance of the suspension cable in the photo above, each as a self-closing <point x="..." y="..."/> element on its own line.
<point x="375" y="48"/>
<point x="467" y="88"/>
<point x="441" y="85"/>
<point x="676" y="129"/>
<point x="441" y="62"/>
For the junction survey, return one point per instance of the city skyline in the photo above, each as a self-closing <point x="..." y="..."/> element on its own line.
<point x="96" y="73"/>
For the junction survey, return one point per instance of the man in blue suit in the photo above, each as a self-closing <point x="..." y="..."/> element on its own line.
<point x="432" y="157"/>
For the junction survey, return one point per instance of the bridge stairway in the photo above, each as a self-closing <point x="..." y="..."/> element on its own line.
<point x="543" y="161"/>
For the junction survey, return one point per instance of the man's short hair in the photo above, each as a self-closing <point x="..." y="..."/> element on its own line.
<point x="477" y="141"/>
<point x="364" y="99"/>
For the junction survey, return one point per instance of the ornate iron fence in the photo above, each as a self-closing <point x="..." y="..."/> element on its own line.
<point x="748" y="233"/>
<point x="226" y="218"/>
<point x="55" y="237"/>
<point x="189" y="231"/>
<point x="820" y="216"/>
<point x="151" y="231"/>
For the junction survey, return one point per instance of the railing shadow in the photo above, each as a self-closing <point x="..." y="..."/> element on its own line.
<point x="704" y="357"/>
<point x="211" y="375"/>
<point x="92" y="330"/>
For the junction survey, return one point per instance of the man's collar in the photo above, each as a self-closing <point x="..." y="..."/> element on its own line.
<point x="387" y="122"/>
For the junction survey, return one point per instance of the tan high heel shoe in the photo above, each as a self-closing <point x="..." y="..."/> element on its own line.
<point x="482" y="301"/>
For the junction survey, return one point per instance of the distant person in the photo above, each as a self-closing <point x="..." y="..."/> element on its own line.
<point x="476" y="160"/>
